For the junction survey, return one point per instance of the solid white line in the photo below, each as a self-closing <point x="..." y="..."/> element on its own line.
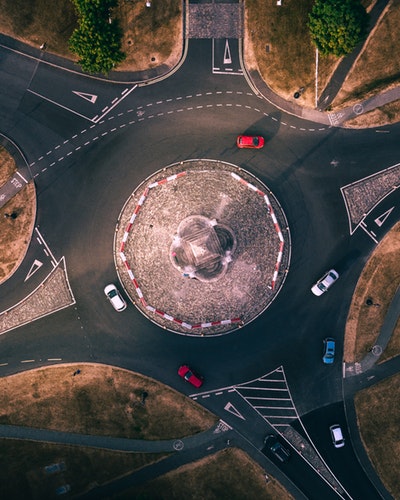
<point x="22" y="177"/>
<point x="59" y="105"/>
<point x="45" y="244"/>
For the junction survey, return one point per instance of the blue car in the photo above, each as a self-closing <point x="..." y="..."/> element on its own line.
<point x="329" y="351"/>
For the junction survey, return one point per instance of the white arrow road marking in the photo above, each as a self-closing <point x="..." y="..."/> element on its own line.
<point x="381" y="219"/>
<point x="227" y="54"/>
<point x="35" y="267"/>
<point x="88" y="97"/>
<point x="229" y="407"/>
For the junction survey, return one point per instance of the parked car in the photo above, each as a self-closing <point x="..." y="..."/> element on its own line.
<point x="250" y="141"/>
<point x="274" y="446"/>
<point x="324" y="283"/>
<point x="62" y="490"/>
<point x="328" y="356"/>
<point x="115" y="297"/>
<point x="337" y="436"/>
<point x="190" y="376"/>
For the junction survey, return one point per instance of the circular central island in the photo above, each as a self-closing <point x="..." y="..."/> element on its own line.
<point x="202" y="247"/>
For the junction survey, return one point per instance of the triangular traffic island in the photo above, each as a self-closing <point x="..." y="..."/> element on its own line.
<point x="202" y="247"/>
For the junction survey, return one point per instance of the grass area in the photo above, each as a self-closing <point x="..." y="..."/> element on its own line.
<point x="282" y="47"/>
<point x="378" y="414"/>
<point x="152" y="36"/>
<point x="34" y="22"/>
<point x="228" y="474"/>
<point x="378" y="281"/>
<point x="278" y="42"/>
<point x="101" y="400"/>
<point x="377" y="68"/>
<point x="15" y="233"/>
<point x="23" y="475"/>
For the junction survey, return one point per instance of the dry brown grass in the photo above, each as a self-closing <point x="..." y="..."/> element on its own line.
<point x="227" y="474"/>
<point x="104" y="400"/>
<point x="290" y="62"/>
<point x="23" y="476"/>
<point x="15" y="234"/>
<point x="152" y="36"/>
<point x="377" y="67"/>
<point x="378" y="281"/>
<point x="100" y="400"/>
<point x="378" y="413"/>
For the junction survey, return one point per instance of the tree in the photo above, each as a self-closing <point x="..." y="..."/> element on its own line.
<point x="337" y="26"/>
<point x="97" y="40"/>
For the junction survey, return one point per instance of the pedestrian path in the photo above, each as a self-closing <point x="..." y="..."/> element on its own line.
<point x="374" y="353"/>
<point x="345" y="65"/>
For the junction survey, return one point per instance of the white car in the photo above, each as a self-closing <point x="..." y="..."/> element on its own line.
<point x="324" y="283"/>
<point x="337" y="436"/>
<point x="114" y="297"/>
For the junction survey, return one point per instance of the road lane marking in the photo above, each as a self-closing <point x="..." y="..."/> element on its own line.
<point x="35" y="267"/>
<point x="88" y="97"/>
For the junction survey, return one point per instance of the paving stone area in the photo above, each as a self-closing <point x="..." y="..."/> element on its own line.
<point x="361" y="196"/>
<point x="308" y="452"/>
<point x="51" y="296"/>
<point x="207" y="189"/>
<point x="215" y="20"/>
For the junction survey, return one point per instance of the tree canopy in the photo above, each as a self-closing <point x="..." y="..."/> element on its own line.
<point x="97" y="40"/>
<point x="337" y="26"/>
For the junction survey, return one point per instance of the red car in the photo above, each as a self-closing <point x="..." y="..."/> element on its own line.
<point x="250" y="141"/>
<point x="186" y="373"/>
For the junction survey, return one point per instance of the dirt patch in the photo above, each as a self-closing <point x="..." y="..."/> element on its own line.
<point x="378" y="282"/>
<point x="17" y="219"/>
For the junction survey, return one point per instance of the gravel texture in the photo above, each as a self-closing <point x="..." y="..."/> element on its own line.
<point x="213" y="20"/>
<point x="208" y="189"/>
<point x="52" y="295"/>
<point x="362" y="196"/>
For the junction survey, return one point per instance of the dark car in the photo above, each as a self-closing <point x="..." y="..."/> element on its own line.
<point x="274" y="446"/>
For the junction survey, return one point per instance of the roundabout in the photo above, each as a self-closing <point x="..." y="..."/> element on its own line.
<point x="187" y="255"/>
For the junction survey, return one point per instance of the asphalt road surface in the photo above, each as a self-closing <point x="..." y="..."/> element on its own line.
<point x="90" y="143"/>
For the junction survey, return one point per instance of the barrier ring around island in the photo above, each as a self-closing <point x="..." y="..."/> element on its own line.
<point x="202" y="247"/>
